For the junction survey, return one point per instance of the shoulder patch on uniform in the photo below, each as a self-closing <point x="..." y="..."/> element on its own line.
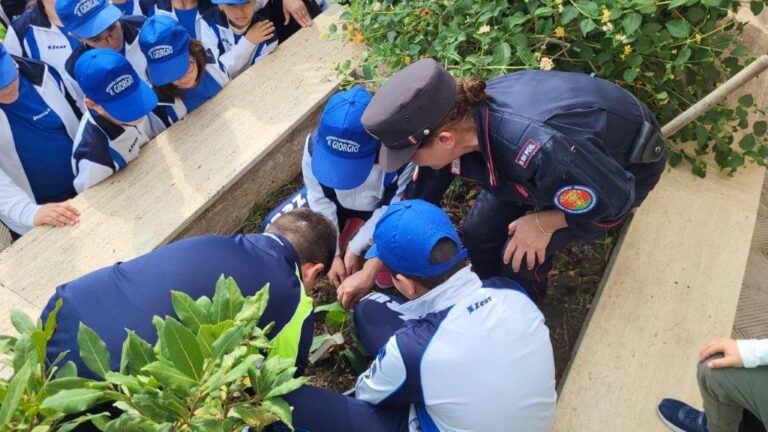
<point x="575" y="199"/>
<point x="527" y="152"/>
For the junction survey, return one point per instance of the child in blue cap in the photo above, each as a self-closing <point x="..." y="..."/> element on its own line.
<point x="461" y="354"/>
<point x="38" y="122"/>
<point x="119" y="120"/>
<point x="187" y="13"/>
<point x="241" y="35"/>
<point x="180" y="68"/>
<point x="99" y="24"/>
<point x="344" y="182"/>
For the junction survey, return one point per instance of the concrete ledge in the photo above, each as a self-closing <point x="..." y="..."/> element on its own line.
<point x="673" y="285"/>
<point x="209" y="168"/>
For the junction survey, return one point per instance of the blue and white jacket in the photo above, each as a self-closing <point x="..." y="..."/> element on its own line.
<point x="17" y="203"/>
<point x="235" y="52"/>
<point x="131" y="26"/>
<point x="34" y="37"/>
<point x="375" y="195"/>
<point x="165" y="7"/>
<point x="102" y="148"/>
<point x="472" y="356"/>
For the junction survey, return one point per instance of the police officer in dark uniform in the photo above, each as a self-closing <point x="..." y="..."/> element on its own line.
<point x="560" y="157"/>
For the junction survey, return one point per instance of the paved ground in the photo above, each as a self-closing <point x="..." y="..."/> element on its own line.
<point x="5" y="238"/>
<point x="751" y="315"/>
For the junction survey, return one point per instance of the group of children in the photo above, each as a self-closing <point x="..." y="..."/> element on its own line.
<point x="84" y="84"/>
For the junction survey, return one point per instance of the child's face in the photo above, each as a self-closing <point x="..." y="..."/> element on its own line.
<point x="189" y="79"/>
<point x="239" y="15"/>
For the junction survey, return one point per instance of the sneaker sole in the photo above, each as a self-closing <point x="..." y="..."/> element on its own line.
<point x="668" y="423"/>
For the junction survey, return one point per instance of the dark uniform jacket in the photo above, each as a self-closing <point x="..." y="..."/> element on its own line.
<point x="557" y="139"/>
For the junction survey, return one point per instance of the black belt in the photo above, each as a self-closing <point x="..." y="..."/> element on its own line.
<point x="649" y="145"/>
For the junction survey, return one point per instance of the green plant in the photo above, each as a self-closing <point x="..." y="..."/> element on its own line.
<point x="668" y="53"/>
<point x="339" y="333"/>
<point x="210" y="370"/>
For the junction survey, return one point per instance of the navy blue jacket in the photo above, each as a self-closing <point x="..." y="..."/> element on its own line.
<point x="127" y="295"/>
<point x="558" y="139"/>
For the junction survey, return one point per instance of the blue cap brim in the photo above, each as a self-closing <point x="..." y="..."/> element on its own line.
<point x="166" y="72"/>
<point x="372" y="253"/>
<point x="134" y="105"/>
<point x="7" y="71"/>
<point x="340" y="173"/>
<point x="103" y="19"/>
<point x="229" y="1"/>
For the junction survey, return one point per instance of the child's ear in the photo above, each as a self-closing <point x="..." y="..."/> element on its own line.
<point x="445" y="139"/>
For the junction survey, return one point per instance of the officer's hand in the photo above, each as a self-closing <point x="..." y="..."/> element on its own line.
<point x="337" y="273"/>
<point x="297" y="10"/>
<point x="260" y="32"/>
<point x="730" y="350"/>
<point x="57" y="215"/>
<point x="352" y="262"/>
<point x="527" y="241"/>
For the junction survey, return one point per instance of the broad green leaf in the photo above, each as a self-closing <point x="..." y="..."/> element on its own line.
<point x="69" y="383"/>
<point x="740" y="51"/>
<point x="129" y="382"/>
<point x="132" y="423"/>
<point x="630" y="74"/>
<point x="227" y="301"/>
<point x="318" y="340"/>
<point x="335" y="306"/>
<point x="254" y="306"/>
<point x="67" y="370"/>
<point x="93" y="351"/>
<point x="746" y="101"/>
<point x="136" y="354"/>
<point x="22" y="322"/>
<point x="72" y="425"/>
<point x="165" y="408"/>
<point x="759" y="128"/>
<point x="40" y="342"/>
<point x="568" y="15"/>
<point x="257" y="417"/>
<point x="756" y="6"/>
<point x="631" y="23"/>
<point x="208" y="334"/>
<point x="169" y="376"/>
<point x="679" y="29"/>
<point x="747" y="142"/>
<point x="675" y="158"/>
<point x="287" y="387"/>
<point x="15" y="391"/>
<point x="676" y="3"/>
<point x="228" y="341"/>
<point x="50" y="321"/>
<point x="71" y="401"/>
<point x="25" y="352"/>
<point x="42" y="428"/>
<point x="190" y="313"/>
<point x="279" y="407"/>
<point x="183" y="349"/>
<point x="586" y="26"/>
<point x="206" y="425"/>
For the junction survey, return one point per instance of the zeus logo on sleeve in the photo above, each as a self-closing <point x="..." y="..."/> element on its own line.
<point x="160" y="51"/>
<point x="84" y="6"/>
<point x="342" y="145"/>
<point x="121" y="83"/>
<point x="478" y="304"/>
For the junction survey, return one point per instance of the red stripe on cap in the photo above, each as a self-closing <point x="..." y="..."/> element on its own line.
<point x="412" y="140"/>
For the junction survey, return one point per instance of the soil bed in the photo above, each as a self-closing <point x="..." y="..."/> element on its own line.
<point x="573" y="283"/>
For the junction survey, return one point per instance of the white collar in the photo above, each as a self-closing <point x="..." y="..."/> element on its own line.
<point x="460" y="286"/>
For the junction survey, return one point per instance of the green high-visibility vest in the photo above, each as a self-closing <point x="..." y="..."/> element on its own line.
<point x="286" y="343"/>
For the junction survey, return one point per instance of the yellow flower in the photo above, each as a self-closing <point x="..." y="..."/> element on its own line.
<point x="377" y="6"/>
<point x="606" y="15"/>
<point x="559" y="31"/>
<point x="627" y="51"/>
<point x="546" y="64"/>
<point x="698" y="38"/>
<point x="407" y="60"/>
<point x="620" y="37"/>
<point x="484" y="29"/>
<point x="559" y="2"/>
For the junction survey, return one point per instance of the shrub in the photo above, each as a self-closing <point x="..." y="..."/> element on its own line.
<point x="670" y="54"/>
<point x="209" y="371"/>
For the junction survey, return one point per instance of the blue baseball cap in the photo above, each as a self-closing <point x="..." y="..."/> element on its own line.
<point x="229" y="1"/>
<point x="87" y="18"/>
<point x="106" y="77"/>
<point x="406" y="234"/>
<point x="165" y="44"/>
<point x="344" y="151"/>
<point x="8" y="71"/>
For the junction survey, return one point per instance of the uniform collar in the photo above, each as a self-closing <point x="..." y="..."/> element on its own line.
<point x="479" y="167"/>
<point x="460" y="286"/>
<point x="39" y="18"/>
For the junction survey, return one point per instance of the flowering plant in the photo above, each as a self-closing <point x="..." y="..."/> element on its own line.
<point x="670" y="54"/>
